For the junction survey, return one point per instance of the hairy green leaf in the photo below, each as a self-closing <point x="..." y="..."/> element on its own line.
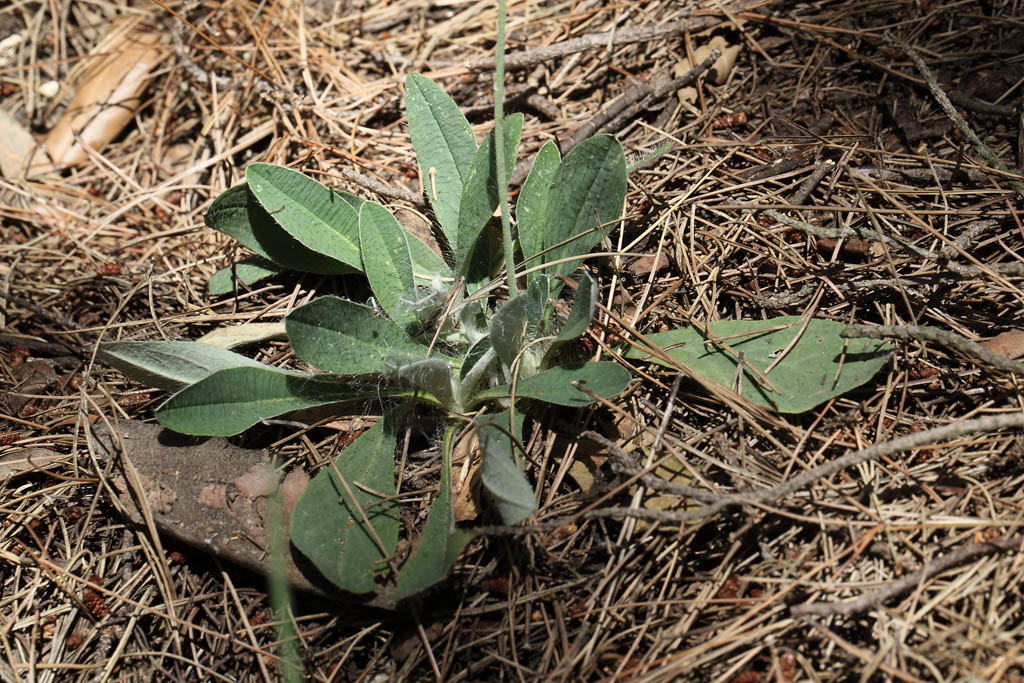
<point x="432" y="375"/>
<point x="485" y="259"/>
<point x="230" y="401"/>
<point x="473" y="356"/>
<point x="480" y="190"/>
<point x="563" y="385"/>
<point x="506" y="328"/>
<point x="580" y="317"/>
<point x="355" y="201"/>
<point x="512" y="493"/>
<point x="170" y="364"/>
<point x="386" y="261"/>
<point x="246" y="273"/>
<point x="348" y="338"/>
<point x="236" y="213"/>
<point x="425" y="263"/>
<point x="322" y="220"/>
<point x="444" y="142"/>
<point x="583" y="307"/>
<point x="329" y="521"/>
<point x="588" y="187"/>
<point x="537" y="294"/>
<point x="819" y="366"/>
<point x="532" y="205"/>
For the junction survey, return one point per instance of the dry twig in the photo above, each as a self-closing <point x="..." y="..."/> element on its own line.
<point x="969" y="552"/>
<point x="954" y="116"/>
<point x="934" y="334"/>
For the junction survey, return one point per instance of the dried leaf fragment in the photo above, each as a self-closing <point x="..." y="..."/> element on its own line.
<point x="108" y="95"/>
<point x="645" y="264"/>
<point x="718" y="72"/>
<point x="16" y="146"/>
<point x="292" y="487"/>
<point x="466" y="462"/>
<point x="1009" y="344"/>
<point x="259" y="481"/>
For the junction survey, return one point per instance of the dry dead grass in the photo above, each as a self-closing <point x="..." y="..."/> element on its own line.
<point x="820" y="120"/>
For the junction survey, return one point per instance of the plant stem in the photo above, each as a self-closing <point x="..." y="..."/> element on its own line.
<point x="280" y="590"/>
<point x="499" y="153"/>
<point x="940" y="96"/>
<point x="474" y="375"/>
